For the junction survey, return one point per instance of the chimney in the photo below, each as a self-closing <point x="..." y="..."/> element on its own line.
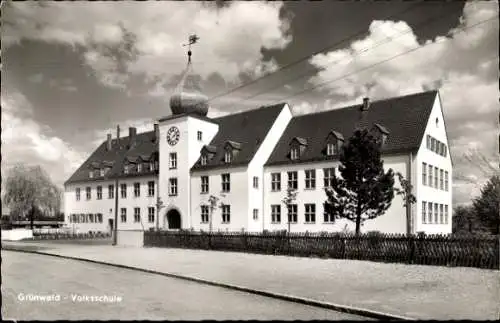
<point x="157" y="132"/>
<point x="118" y="136"/>
<point x="366" y="104"/>
<point x="108" y="142"/>
<point x="132" y="131"/>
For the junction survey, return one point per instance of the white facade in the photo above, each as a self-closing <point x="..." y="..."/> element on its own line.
<point x="251" y="198"/>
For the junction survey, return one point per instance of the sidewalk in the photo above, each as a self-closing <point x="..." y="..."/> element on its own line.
<point x="420" y="292"/>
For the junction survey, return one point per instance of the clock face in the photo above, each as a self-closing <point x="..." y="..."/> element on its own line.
<point x="173" y="135"/>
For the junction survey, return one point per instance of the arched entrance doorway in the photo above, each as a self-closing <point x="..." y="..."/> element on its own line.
<point x="173" y="219"/>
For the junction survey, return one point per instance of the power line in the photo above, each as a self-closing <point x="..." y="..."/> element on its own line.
<point x="384" y="61"/>
<point x="310" y="55"/>
<point x="386" y="40"/>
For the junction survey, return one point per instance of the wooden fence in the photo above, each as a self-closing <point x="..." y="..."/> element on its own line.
<point x="440" y="250"/>
<point x="70" y="236"/>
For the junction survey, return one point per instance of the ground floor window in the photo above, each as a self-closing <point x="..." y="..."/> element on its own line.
<point x="123" y="214"/>
<point x="226" y="213"/>
<point x="276" y="213"/>
<point x="292" y="213"/>
<point x="310" y="213"/>
<point x="151" y="214"/>
<point x="204" y="214"/>
<point x="137" y="215"/>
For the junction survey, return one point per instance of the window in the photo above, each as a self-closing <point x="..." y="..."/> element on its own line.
<point x="328" y="218"/>
<point x="123" y="214"/>
<point x="429" y="212"/>
<point x="91" y="174"/>
<point x="435" y="213"/>
<point x="292" y="213"/>
<point x="424" y="212"/>
<point x="228" y="156"/>
<point x="328" y="173"/>
<point x="151" y="214"/>
<point x="99" y="192"/>
<point x="441" y="175"/>
<point x="173" y="161"/>
<point x="139" y="168"/>
<point x="123" y="191"/>
<point x="255" y="182"/>
<point x="424" y="173"/>
<point x="255" y="214"/>
<point x="137" y="189"/>
<point x="276" y="213"/>
<point x="101" y="172"/>
<point x="226" y="213"/>
<point x="428" y="142"/>
<point x="125" y="169"/>
<point x="436" y="177"/>
<point x="151" y="166"/>
<point x="331" y="149"/>
<point x="204" y="184"/>
<point x="172" y="186"/>
<point x="310" y="179"/>
<point x="151" y="188"/>
<point x="77" y="193"/>
<point x="137" y="214"/>
<point x="111" y="191"/>
<point x="156" y="165"/>
<point x="441" y="148"/>
<point x="87" y="191"/>
<point x="99" y="217"/>
<point x="430" y="175"/>
<point x="310" y="213"/>
<point x="292" y="180"/>
<point x="204" y="214"/>
<point x="445" y="151"/>
<point x="441" y="213"/>
<point x="203" y="160"/>
<point x="199" y="135"/>
<point x="446" y="188"/>
<point x="83" y="218"/>
<point x="294" y="153"/>
<point x="446" y="214"/>
<point x="226" y="182"/>
<point x="276" y="182"/>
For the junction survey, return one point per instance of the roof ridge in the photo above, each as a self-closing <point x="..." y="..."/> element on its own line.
<point x="252" y="110"/>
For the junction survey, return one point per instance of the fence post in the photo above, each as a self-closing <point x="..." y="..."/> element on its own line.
<point x="411" y="249"/>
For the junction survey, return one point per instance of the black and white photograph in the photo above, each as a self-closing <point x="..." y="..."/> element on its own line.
<point x="250" y="160"/>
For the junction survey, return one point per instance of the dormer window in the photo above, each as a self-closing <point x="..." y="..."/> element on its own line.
<point x="139" y="168"/>
<point x="101" y="171"/>
<point x="126" y="169"/>
<point x="297" y="147"/>
<point x="331" y="149"/>
<point x="294" y="153"/>
<point x="381" y="133"/>
<point x="204" y="160"/>
<point x="91" y="174"/>
<point x="334" y="142"/>
<point x="151" y="166"/>
<point x="228" y="156"/>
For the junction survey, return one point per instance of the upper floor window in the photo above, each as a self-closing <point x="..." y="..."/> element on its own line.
<point x="310" y="178"/>
<point x="151" y="188"/>
<point x="204" y="184"/>
<point x="199" y="136"/>
<point x="123" y="191"/>
<point x="255" y="214"/>
<point x="77" y="193"/>
<point x="111" y="191"/>
<point x="255" y="182"/>
<point x="276" y="182"/>
<point x="87" y="189"/>
<point x="446" y="183"/>
<point x="428" y="142"/>
<point x="437" y="122"/>
<point x="99" y="192"/>
<point x="424" y="212"/>
<point x="430" y="175"/>
<point x="172" y="186"/>
<point x="228" y="156"/>
<point x="294" y="153"/>
<point x="441" y="179"/>
<point x="204" y="159"/>
<point x="292" y="180"/>
<point x="173" y="161"/>
<point x="446" y="214"/>
<point x="424" y="173"/>
<point x="436" y="177"/>
<point x="329" y="174"/>
<point x="226" y="182"/>
<point x="137" y="189"/>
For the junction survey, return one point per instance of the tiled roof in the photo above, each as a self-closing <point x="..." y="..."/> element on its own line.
<point x="248" y="129"/>
<point x="405" y="118"/>
<point x="144" y="146"/>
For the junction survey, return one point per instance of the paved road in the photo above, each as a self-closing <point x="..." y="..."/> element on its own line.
<point x="144" y="296"/>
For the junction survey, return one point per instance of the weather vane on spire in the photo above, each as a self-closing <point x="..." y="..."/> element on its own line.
<point x="193" y="39"/>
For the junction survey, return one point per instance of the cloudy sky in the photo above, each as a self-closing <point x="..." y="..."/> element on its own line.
<point x="73" y="71"/>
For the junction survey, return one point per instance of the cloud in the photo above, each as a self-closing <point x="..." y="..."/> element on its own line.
<point x="26" y="141"/>
<point x="463" y="68"/>
<point x="123" y="39"/>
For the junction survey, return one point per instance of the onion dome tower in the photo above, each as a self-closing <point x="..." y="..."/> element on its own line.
<point x="187" y="97"/>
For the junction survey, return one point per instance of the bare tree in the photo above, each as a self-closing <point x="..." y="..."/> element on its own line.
<point x="29" y="189"/>
<point x="288" y="200"/>
<point x="213" y="204"/>
<point x="408" y="198"/>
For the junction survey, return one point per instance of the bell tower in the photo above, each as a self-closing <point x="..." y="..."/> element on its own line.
<point x="182" y="135"/>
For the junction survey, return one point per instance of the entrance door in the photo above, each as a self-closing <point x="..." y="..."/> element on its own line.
<point x="174" y="219"/>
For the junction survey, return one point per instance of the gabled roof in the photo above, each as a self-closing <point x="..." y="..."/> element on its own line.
<point x="233" y="144"/>
<point x="382" y="128"/>
<point x="115" y="158"/>
<point x="248" y="128"/>
<point x="405" y="116"/>
<point x="300" y="140"/>
<point x="337" y="135"/>
<point x="209" y="148"/>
